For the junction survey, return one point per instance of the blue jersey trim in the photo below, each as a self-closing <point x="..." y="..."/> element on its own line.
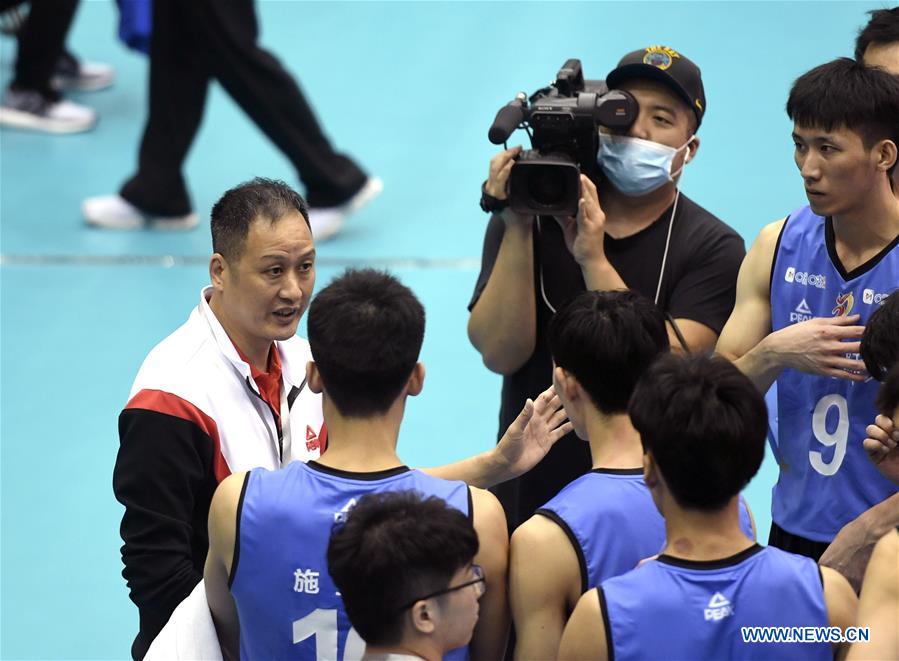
<point x="718" y="563"/>
<point x="780" y="236"/>
<point x="236" y="557"/>
<point x="578" y="551"/>
<point x="370" y="476"/>
<point x="830" y="241"/>
<point x="610" y="648"/>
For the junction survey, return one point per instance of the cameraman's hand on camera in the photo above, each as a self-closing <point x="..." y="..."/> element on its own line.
<point x="498" y="183"/>
<point x="584" y="233"/>
<point x="584" y="236"/>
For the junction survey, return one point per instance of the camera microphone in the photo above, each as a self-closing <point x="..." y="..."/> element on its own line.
<point x="507" y="119"/>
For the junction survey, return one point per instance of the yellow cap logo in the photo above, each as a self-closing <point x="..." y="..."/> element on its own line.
<point x="660" y="57"/>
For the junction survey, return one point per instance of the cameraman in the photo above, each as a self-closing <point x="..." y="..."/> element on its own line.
<point x="634" y="230"/>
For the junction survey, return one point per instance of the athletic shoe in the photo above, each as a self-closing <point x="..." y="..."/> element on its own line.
<point x="115" y="213"/>
<point x="327" y="221"/>
<point x="71" y="74"/>
<point x="29" y="109"/>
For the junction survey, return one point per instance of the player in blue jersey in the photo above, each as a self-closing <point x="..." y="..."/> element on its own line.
<point x="267" y="582"/>
<point x="604" y="522"/>
<point x="405" y="570"/>
<point x="805" y="291"/>
<point x="703" y="425"/>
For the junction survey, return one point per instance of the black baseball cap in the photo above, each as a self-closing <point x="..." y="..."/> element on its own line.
<point x="668" y="67"/>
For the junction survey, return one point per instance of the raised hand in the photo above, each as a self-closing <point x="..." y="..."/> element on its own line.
<point x="536" y="429"/>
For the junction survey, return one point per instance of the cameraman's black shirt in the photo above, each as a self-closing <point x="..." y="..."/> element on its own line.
<point x="699" y="284"/>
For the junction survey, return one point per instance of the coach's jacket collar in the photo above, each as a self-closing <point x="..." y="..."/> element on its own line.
<point x="293" y="375"/>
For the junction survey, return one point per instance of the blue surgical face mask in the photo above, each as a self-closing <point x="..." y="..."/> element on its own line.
<point x="635" y="166"/>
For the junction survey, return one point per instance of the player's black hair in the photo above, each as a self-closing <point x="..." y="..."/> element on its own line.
<point x="365" y="331"/>
<point x="236" y="210"/>
<point x="880" y="340"/>
<point x="606" y="339"/>
<point x="888" y="395"/>
<point x="883" y="28"/>
<point x="393" y="549"/>
<point x="704" y="423"/>
<point x="845" y="93"/>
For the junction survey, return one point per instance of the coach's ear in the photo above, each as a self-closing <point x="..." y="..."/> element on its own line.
<point x="314" y="378"/>
<point x="217" y="267"/>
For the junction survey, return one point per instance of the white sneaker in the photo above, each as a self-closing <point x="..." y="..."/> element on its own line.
<point x="72" y="74"/>
<point x="114" y="212"/>
<point x="327" y="221"/>
<point x="28" y="109"/>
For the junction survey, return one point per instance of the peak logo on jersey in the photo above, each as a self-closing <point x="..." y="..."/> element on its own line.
<point x="802" y="313"/>
<point x="719" y="608"/>
<point x="805" y="278"/>
<point x="870" y="297"/>
<point x="844" y="305"/>
<point x="312" y="442"/>
<point x="340" y="517"/>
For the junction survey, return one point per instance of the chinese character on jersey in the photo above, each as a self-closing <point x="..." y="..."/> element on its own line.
<point x="305" y="581"/>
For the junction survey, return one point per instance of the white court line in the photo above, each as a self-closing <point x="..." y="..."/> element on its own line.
<point x="171" y="261"/>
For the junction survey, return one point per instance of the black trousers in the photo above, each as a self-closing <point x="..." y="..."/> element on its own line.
<point x="41" y="41"/>
<point x="787" y="541"/>
<point x="200" y="40"/>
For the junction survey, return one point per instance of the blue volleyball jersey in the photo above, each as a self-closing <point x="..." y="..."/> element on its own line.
<point x="826" y="479"/>
<point x="286" y="601"/>
<point x="612" y="523"/>
<point x="677" y="609"/>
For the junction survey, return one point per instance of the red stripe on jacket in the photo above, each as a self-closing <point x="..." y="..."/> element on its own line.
<point x="169" y="404"/>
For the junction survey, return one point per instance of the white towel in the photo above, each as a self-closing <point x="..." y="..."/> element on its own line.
<point x="189" y="633"/>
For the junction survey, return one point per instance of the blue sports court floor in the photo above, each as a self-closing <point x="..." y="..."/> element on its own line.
<point x="409" y="88"/>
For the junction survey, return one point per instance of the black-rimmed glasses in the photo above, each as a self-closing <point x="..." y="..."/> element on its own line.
<point x="479" y="581"/>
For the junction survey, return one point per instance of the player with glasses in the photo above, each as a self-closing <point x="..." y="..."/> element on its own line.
<point x="393" y="546"/>
<point x="479" y="582"/>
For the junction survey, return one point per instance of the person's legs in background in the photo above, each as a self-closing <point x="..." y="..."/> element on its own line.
<point x="223" y="38"/>
<point x="31" y="101"/>
<point x="157" y="194"/>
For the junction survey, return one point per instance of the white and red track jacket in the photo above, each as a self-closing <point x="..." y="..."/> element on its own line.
<point x="195" y="415"/>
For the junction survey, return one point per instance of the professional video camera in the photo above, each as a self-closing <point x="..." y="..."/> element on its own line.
<point x="563" y="121"/>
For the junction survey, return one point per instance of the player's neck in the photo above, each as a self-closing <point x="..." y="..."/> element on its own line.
<point x="628" y="215"/>
<point x="362" y="444"/>
<point x="614" y="443"/>
<point x="872" y="225"/>
<point x="698" y="535"/>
